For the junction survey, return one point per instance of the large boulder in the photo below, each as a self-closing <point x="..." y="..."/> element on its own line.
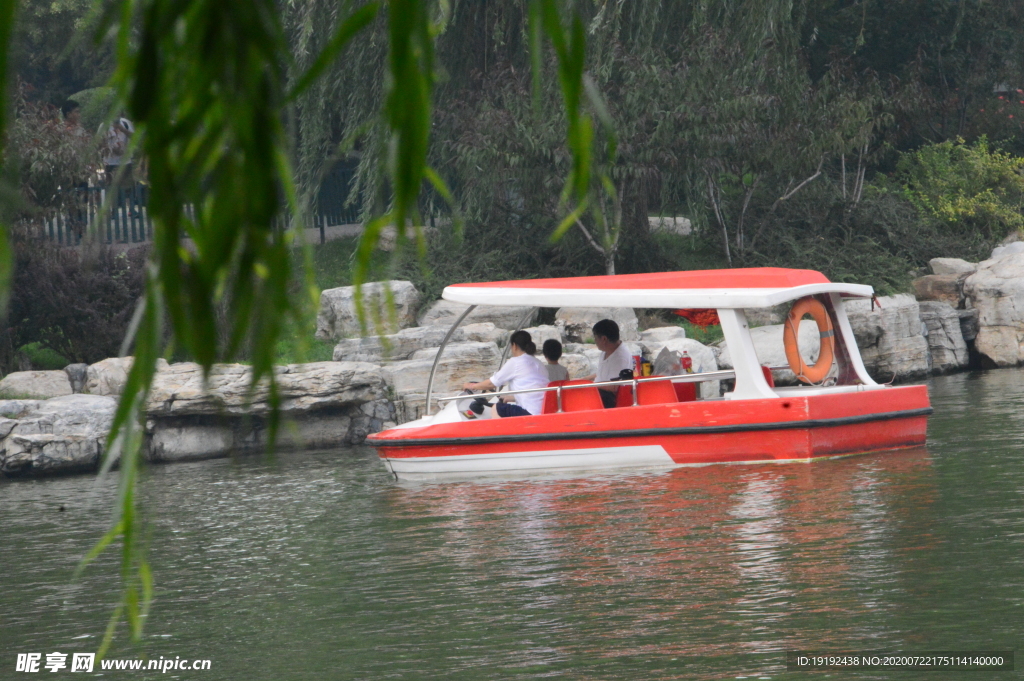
<point x="35" y="385"/>
<point x="576" y="323"/>
<point x="944" y="288"/>
<point x="338" y="318"/>
<point x="401" y="345"/>
<point x="662" y="334"/>
<point x="996" y="291"/>
<point x="108" y="376"/>
<point x="460" y="363"/>
<point x="60" y="435"/>
<point x="952" y="266"/>
<point x="771" y="351"/>
<point x="577" y="365"/>
<point x="539" y="334"/>
<point x="1013" y="248"/>
<point x="890" y="337"/>
<point x="13" y="409"/>
<point x="945" y="338"/>
<point x="444" y="313"/>
<point x="180" y="390"/>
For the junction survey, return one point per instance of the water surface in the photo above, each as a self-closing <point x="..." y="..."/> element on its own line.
<point x="320" y="565"/>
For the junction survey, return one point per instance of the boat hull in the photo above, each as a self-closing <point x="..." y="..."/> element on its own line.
<point x="798" y="428"/>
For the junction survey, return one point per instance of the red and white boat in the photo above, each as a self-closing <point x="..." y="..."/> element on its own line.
<point x="660" y="421"/>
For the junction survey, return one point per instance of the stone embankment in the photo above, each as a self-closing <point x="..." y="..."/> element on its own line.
<point x="961" y="315"/>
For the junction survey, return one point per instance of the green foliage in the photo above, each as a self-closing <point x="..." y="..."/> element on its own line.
<point x="48" y="153"/>
<point x="51" y="48"/>
<point x="707" y="335"/>
<point x="43" y="358"/>
<point x="970" y="188"/>
<point x="95" y="105"/>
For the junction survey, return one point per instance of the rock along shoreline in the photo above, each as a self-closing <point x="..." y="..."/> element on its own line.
<point x="962" y="316"/>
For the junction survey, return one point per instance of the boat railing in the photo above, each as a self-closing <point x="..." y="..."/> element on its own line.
<point x="685" y="378"/>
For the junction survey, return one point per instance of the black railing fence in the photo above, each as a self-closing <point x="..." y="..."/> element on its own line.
<point x="118" y="214"/>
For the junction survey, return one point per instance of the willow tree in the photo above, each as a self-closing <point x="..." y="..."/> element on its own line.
<point x="713" y="108"/>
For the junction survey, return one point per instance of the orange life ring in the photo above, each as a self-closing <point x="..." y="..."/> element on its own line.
<point x="826" y="353"/>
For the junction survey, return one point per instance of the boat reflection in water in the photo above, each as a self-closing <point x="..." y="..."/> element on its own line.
<point x="686" y="562"/>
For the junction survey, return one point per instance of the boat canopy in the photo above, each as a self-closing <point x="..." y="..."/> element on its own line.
<point x="717" y="289"/>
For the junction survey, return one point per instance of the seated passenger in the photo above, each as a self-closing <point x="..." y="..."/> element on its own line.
<point x="522" y="371"/>
<point x="552" y="351"/>
<point x="615" y="360"/>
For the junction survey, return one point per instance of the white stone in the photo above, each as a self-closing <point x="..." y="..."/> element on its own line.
<point x="672" y="225"/>
<point x="576" y="323"/>
<point x="60" y="435"/>
<point x="108" y="376"/>
<point x="35" y="385"/>
<point x="662" y="334"/>
<point x="444" y="313"/>
<point x="396" y="346"/>
<point x="15" y="408"/>
<point x="890" y="338"/>
<point x="180" y="390"/>
<point x="945" y="337"/>
<point x="952" y="266"/>
<point x="459" y="364"/>
<point x="480" y="332"/>
<point x="539" y="334"/>
<point x="1009" y="249"/>
<point x="189" y="442"/>
<point x="578" y="366"/>
<point x="338" y="319"/>
<point x="996" y="291"/>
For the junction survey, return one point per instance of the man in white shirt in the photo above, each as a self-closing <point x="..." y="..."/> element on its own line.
<point x="616" y="358"/>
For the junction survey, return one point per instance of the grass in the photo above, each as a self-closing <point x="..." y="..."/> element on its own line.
<point x="333" y="264"/>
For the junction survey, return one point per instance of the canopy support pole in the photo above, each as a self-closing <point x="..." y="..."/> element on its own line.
<point x="750" y="382"/>
<point x="437" y="357"/>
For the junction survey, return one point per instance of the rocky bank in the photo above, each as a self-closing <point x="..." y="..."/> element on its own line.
<point x="961" y="315"/>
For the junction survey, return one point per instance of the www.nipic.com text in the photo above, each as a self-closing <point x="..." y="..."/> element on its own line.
<point x="84" y="662"/>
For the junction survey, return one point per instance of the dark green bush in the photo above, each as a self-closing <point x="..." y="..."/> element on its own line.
<point x="71" y="301"/>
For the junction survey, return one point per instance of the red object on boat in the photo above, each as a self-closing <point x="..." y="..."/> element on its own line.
<point x="701" y="318"/>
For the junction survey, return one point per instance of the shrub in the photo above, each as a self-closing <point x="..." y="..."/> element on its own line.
<point x="42" y="358"/>
<point x="74" y="302"/>
<point x="969" y="187"/>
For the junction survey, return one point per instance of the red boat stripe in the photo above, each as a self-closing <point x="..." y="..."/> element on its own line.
<point x="648" y="432"/>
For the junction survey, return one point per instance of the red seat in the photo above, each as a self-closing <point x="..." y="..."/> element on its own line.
<point x="653" y="392"/>
<point x="685" y="392"/>
<point x="578" y="399"/>
<point x="768" y="376"/>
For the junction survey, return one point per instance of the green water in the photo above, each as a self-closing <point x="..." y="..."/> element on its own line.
<point x="321" y="566"/>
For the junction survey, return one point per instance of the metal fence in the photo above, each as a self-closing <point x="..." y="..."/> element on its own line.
<point x="119" y="215"/>
<point x="116" y="215"/>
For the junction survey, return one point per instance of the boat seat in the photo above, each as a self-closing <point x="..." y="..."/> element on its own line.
<point x="654" y="392"/>
<point x="579" y="399"/>
<point x="768" y="376"/>
<point x="685" y="392"/>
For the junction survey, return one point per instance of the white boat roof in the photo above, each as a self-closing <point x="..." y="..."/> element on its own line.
<point x="715" y="289"/>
